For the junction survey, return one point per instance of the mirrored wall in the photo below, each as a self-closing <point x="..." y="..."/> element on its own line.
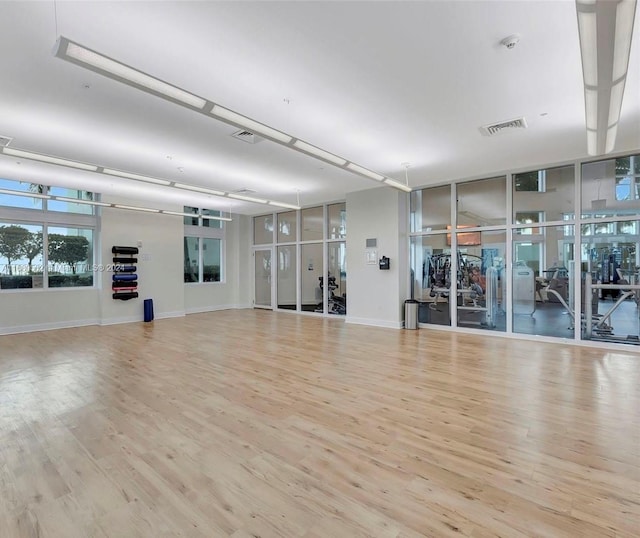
<point x="551" y="252"/>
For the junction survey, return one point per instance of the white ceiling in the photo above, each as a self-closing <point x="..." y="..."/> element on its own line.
<point x="379" y="83"/>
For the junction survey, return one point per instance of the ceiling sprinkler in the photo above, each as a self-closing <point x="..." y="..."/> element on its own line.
<point x="511" y="41"/>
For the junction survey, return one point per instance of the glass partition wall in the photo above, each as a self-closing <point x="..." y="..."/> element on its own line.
<point x="309" y="251"/>
<point x="552" y="252"/>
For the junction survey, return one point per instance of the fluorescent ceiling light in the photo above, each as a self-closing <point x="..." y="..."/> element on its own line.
<point x="365" y="172"/>
<point x="195" y="188"/>
<point x="282" y="204"/>
<point x="135" y="208"/>
<point x="625" y="13"/>
<point x="611" y="138"/>
<point x="397" y="185"/>
<point x="251" y="125"/>
<point x="99" y="63"/>
<point x="68" y="50"/>
<point x="137" y="177"/>
<point x="48" y="159"/>
<point x="181" y="214"/>
<point x="76" y="201"/>
<point x="588" y="46"/>
<point x="592" y="142"/>
<point x="605" y="31"/>
<point x="247" y="198"/>
<point x="178" y="213"/>
<point x="25" y="194"/>
<point x="214" y="217"/>
<point x="308" y="148"/>
<point x="591" y="108"/>
<point x="615" y="103"/>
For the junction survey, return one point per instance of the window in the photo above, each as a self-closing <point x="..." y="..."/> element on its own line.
<point x="70" y="257"/>
<point x="628" y="178"/>
<point x="46" y="243"/>
<point x="203" y="246"/>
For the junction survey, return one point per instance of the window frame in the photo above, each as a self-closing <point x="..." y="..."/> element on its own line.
<point x="201" y="232"/>
<point x="46" y="218"/>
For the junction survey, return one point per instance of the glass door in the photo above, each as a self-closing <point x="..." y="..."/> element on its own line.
<point x="262" y="278"/>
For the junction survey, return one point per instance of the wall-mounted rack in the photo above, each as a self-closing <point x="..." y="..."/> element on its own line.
<point x="124" y="279"/>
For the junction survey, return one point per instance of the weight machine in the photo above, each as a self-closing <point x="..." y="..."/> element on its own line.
<point x="475" y="292"/>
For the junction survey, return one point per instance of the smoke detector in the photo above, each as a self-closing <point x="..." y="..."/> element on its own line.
<point x="511" y="41"/>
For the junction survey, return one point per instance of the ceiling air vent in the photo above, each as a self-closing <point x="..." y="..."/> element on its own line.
<point x="509" y="125"/>
<point x="5" y="141"/>
<point x="246" y="136"/>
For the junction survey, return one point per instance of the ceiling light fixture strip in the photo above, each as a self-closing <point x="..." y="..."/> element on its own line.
<point x="73" y="52"/>
<point x="604" y="66"/>
<point x="99" y="63"/>
<point x="128" y="175"/>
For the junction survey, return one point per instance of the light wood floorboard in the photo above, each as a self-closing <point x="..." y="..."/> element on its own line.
<point x="258" y="424"/>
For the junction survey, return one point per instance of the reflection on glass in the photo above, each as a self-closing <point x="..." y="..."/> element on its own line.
<point x="312" y="272"/>
<point x="262" y="261"/>
<point x="286" y="277"/>
<point x="70" y="257"/>
<point x="543" y="271"/>
<point x="312" y="219"/>
<point x="263" y="230"/>
<point x="191" y="221"/>
<point x="337" y="225"/>
<point x="211" y="259"/>
<point x="482" y="203"/>
<point x="431" y="209"/>
<point x="21" y="261"/>
<point x="547" y="193"/>
<point x="611" y="187"/>
<point x="336" y="284"/>
<point x="191" y="259"/>
<point x="431" y="278"/>
<point x="610" y="263"/>
<point x="286" y="227"/>
<point x="481" y="281"/>
<point x="212" y="223"/>
<point x="70" y="207"/>
<point x="21" y="201"/>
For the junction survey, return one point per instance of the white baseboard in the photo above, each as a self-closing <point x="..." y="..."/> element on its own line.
<point x="375" y="322"/>
<point x="48" y="326"/>
<point x="215" y="308"/>
<point x="166" y="315"/>
<point x="136" y="319"/>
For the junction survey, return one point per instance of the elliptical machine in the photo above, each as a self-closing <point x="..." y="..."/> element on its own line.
<point x="335" y="304"/>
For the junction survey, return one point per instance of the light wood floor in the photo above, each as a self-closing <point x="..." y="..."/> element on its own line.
<point x="257" y="424"/>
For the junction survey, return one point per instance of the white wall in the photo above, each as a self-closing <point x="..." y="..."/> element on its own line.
<point x="376" y="297"/>
<point x="160" y="271"/>
<point x="160" y="261"/>
<point x="34" y="310"/>
<point x="235" y="291"/>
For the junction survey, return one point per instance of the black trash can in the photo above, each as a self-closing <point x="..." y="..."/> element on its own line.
<point x="148" y="310"/>
<point x="411" y="314"/>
